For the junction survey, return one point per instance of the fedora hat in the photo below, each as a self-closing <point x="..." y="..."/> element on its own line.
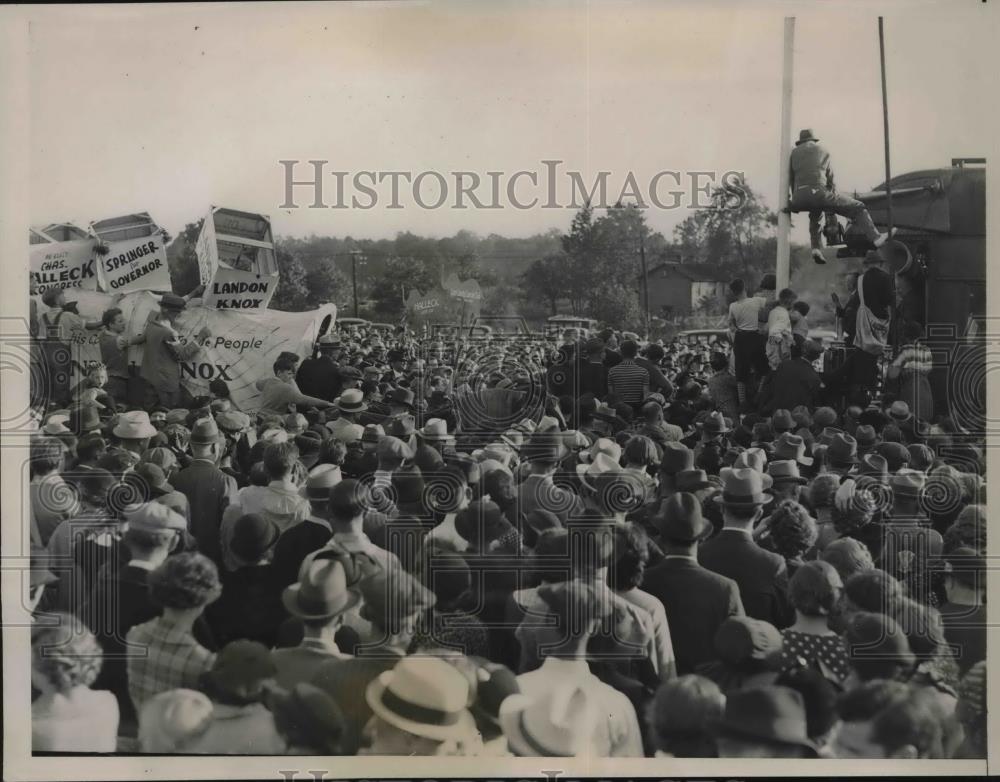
<point x="558" y="723"/>
<point x="693" y="480"/>
<point x="206" y="432"/>
<point x="743" y="488"/>
<point x="435" y="430"/>
<point x="676" y="458"/>
<point x="680" y="518"/>
<point x="714" y="423"/>
<point x="401" y="396"/>
<point x="329" y="341"/>
<point x="320" y="480"/>
<point x="791" y="446"/>
<point x="908" y="483"/>
<point x="609" y="415"/>
<point x="133" y="425"/>
<point x="425" y="696"/>
<point x="154" y="477"/>
<point x="896" y="454"/>
<point x="352" y="401"/>
<point x="842" y="451"/>
<point x="604" y="445"/>
<point x="866" y="437"/>
<point x="828" y="434"/>
<point x="823" y="417"/>
<point x="322" y="590"/>
<point x="772" y="714"/>
<point x="782" y="421"/>
<point x="752" y="459"/>
<point x="602" y="464"/>
<point x="899" y="411"/>
<point x="806" y="134"/>
<point x="785" y="471"/>
<point x="874" y="466"/>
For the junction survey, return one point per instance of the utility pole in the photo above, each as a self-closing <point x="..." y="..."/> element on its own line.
<point x="645" y="285"/>
<point x="785" y="219"/>
<point x="893" y="325"/>
<point x="354" y="278"/>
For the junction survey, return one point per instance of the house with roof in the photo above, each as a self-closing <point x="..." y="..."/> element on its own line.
<point x="678" y="288"/>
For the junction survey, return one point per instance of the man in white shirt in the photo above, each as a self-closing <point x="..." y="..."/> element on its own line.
<point x="748" y="349"/>
<point x="580" y="614"/>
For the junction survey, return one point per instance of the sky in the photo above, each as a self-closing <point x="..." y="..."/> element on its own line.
<point x="171" y="109"/>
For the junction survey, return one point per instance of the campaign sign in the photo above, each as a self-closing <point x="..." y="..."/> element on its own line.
<point x="236" y="260"/>
<point x="136" y="265"/>
<point x="62" y="256"/>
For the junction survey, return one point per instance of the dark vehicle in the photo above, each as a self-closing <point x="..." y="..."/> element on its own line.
<point x="940" y="215"/>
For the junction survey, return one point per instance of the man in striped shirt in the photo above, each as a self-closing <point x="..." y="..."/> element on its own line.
<point x="627" y="380"/>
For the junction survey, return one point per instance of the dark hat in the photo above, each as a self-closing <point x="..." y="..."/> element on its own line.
<point x="896" y="455"/>
<point x="240" y="668"/>
<point x="494" y="684"/>
<point x="899" y="411"/>
<point x="785" y="471"/>
<point x="323" y="589"/>
<point x="791" y="446"/>
<point x="866" y="437"/>
<point x="171" y="301"/>
<point x="874" y="466"/>
<point x="253" y="537"/>
<point x="206" y="432"/>
<point x="715" y="423"/>
<point x="401" y="396"/>
<point x="812" y="350"/>
<point x="402" y="426"/>
<point x="154" y="478"/>
<point x="680" y="518"/>
<point x="805" y="135"/>
<point x="692" y="480"/>
<point x="742" y="638"/>
<point x="824" y="416"/>
<point x="309" y="444"/>
<point x="316" y="719"/>
<point x="771" y="714"/>
<point x="782" y="421"/>
<point x="842" y="451"/>
<point x="676" y="458"/>
<point x="921" y="457"/>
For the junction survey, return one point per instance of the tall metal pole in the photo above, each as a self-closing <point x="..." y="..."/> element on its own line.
<point x="782" y="262"/>
<point x="354" y="279"/>
<point x="885" y="125"/>
<point x="645" y="286"/>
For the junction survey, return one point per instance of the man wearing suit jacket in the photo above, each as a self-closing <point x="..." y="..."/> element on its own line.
<point x="696" y="599"/>
<point x="795" y="382"/>
<point x="208" y="489"/>
<point x="761" y="575"/>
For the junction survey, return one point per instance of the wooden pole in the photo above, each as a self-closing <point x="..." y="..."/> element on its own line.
<point x="645" y="286"/>
<point x="885" y="126"/>
<point x="782" y="262"/>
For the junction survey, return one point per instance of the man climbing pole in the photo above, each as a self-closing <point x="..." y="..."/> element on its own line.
<point x="812" y="190"/>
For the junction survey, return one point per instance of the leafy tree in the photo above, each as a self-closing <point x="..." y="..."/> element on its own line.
<point x="326" y="284"/>
<point x="293" y="293"/>
<point x="546" y="280"/>
<point x="400" y="274"/>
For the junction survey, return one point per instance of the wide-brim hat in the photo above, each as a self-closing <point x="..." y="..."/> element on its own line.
<point x="354" y="404"/>
<point x="756" y="483"/>
<point x="291" y="598"/>
<point x="756" y="713"/>
<point x="714" y="423"/>
<point x="522" y="738"/>
<point x="805" y="135"/>
<point x="415" y="718"/>
<point x="171" y="301"/>
<point x="134" y="426"/>
<point x="680" y="518"/>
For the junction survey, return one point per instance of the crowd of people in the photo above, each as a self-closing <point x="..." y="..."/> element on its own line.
<point x="592" y="545"/>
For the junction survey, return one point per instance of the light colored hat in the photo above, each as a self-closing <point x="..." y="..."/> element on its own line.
<point x="743" y="488"/>
<point x="603" y="445"/>
<point x="134" y="425"/>
<point x="351" y="433"/>
<point x="172" y="718"/>
<point x="435" y="429"/>
<point x="425" y="696"/>
<point x="153" y="517"/>
<point x="602" y="464"/>
<point x="752" y="459"/>
<point x="352" y="401"/>
<point x="558" y="723"/>
<point x="274" y="436"/>
<point x="322" y="590"/>
<point x="320" y="480"/>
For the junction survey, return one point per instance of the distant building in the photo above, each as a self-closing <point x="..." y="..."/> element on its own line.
<point x="677" y="288"/>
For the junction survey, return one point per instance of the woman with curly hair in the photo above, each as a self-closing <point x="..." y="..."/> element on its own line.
<point x="170" y="657"/>
<point x="68" y="716"/>
<point x="814" y="592"/>
<point x="789" y="531"/>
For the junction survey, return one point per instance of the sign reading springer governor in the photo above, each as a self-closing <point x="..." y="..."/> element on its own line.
<point x="136" y="259"/>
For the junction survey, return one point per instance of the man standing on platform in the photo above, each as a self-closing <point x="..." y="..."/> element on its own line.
<point x="164" y="353"/>
<point x="813" y="190"/>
